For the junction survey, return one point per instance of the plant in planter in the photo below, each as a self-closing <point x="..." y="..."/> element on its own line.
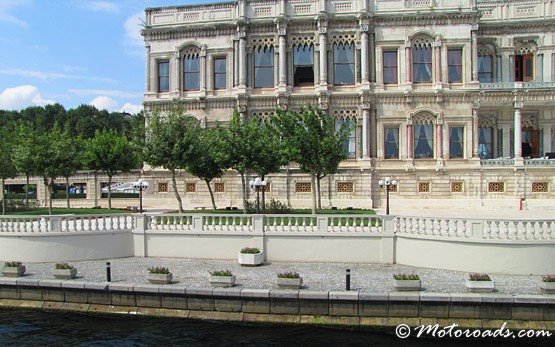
<point x="407" y="282"/>
<point x="13" y="269"/>
<point x="159" y="275"/>
<point x="480" y="283"/>
<point x="222" y="278"/>
<point x="250" y="256"/>
<point x="64" y="271"/>
<point x="289" y="280"/>
<point x="547" y="284"/>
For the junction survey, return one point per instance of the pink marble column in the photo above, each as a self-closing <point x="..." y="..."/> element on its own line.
<point x="439" y="141"/>
<point x="438" y="63"/>
<point x="408" y="64"/>
<point x="409" y="141"/>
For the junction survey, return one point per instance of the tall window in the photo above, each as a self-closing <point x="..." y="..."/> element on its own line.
<point x="391" y="143"/>
<point x="303" y="65"/>
<point x="423" y="140"/>
<point x="220" y="73"/>
<point x="485" y="68"/>
<point x="390" y="67"/>
<point x="191" y="72"/>
<point x="454" y="62"/>
<point x="524" y="67"/>
<point x="349" y="144"/>
<point x="344" y="63"/>
<point x="485" y="143"/>
<point x="264" y="67"/>
<point x="163" y="76"/>
<point x="422" y="63"/>
<point x="456" y="142"/>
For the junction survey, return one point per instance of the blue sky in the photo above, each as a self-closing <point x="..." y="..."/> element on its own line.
<point x="73" y="52"/>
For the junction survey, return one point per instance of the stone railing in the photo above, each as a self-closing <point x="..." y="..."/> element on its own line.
<point x="68" y="223"/>
<point x="510" y="162"/>
<point x="516" y="85"/>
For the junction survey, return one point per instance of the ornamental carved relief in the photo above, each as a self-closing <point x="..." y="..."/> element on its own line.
<point x="424" y="118"/>
<point x="487" y="121"/>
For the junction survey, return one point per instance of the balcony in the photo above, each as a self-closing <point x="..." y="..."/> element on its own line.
<point x="516" y="85"/>
<point x="500" y="162"/>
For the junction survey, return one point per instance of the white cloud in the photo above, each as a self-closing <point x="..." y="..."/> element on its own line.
<point x="7" y="17"/>
<point x="132" y="38"/>
<point x="101" y="6"/>
<point x="106" y="92"/>
<point x="45" y="75"/>
<point x="22" y="96"/>
<point x="103" y="102"/>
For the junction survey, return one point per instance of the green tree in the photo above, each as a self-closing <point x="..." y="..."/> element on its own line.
<point x="170" y="143"/>
<point x="7" y="167"/>
<point x="25" y="152"/>
<point x="309" y="139"/>
<point x="110" y="153"/>
<point x="69" y="151"/>
<point x="204" y="162"/>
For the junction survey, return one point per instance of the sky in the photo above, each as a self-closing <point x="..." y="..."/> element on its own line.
<point x="73" y="52"/>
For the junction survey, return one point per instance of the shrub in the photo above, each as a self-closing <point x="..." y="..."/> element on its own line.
<point x="159" y="270"/>
<point x="548" y="278"/>
<point x="221" y="273"/>
<point x="64" y="266"/>
<point x="406" y="277"/>
<point x="13" y="264"/>
<point x="474" y="276"/>
<point x="19" y="205"/>
<point x="250" y="250"/>
<point x="288" y="274"/>
<point x="275" y="206"/>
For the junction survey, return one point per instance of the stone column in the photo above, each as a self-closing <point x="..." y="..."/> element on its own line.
<point x="365" y="119"/>
<point x="518" y="131"/>
<point x="147" y="68"/>
<point x="202" y="83"/>
<point x="475" y="133"/>
<point x="409" y="140"/>
<point x="323" y="57"/>
<point x="242" y="60"/>
<point x="364" y="53"/>
<point x="439" y="127"/>
<point x="474" y="53"/>
<point x="210" y="73"/>
<point x="437" y="59"/>
<point x="408" y="62"/>
<point x="177" y="72"/>
<point x="372" y="58"/>
<point x="282" y="59"/>
<point x="236" y="55"/>
<point x="373" y="135"/>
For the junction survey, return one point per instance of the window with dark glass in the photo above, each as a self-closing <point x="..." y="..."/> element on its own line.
<point x="264" y="67"/>
<point x="422" y="63"/>
<point x="423" y="141"/>
<point x="456" y="142"/>
<point x="344" y="63"/>
<point x="485" y="143"/>
<point x="485" y="68"/>
<point x="524" y="67"/>
<point x="454" y="63"/>
<point x="390" y="67"/>
<point x="349" y="143"/>
<point x="303" y="65"/>
<point x="220" y="79"/>
<point x="391" y="143"/>
<point x="163" y="76"/>
<point x="191" y="72"/>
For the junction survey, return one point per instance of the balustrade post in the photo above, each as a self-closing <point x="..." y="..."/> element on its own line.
<point x="55" y="224"/>
<point x="258" y="226"/>
<point x="322" y="223"/>
<point x="139" y="235"/>
<point x="477" y="228"/>
<point x="388" y="240"/>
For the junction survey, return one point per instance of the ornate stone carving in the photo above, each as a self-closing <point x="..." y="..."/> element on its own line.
<point x="364" y="28"/>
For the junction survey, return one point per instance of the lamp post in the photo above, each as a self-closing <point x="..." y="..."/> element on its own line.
<point x="140" y="185"/>
<point x="256" y="184"/>
<point x="386" y="183"/>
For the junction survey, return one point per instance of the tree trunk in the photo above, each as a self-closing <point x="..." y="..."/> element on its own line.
<point x="50" y="189"/>
<point x="211" y="194"/>
<point x="318" y="179"/>
<point x="3" y="198"/>
<point x="263" y="195"/>
<point x="244" y="188"/>
<point x="27" y="192"/>
<point x="313" y="189"/>
<point x="46" y="192"/>
<point x="109" y="192"/>
<point x="174" y="185"/>
<point x="96" y="189"/>
<point x="67" y="192"/>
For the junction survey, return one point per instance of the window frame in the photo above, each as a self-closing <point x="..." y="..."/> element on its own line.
<point x="160" y="76"/>
<point x="490" y="73"/>
<point x="271" y="52"/>
<point x="385" y="141"/>
<point x="294" y="49"/>
<point x="429" y="48"/>
<point x="386" y="67"/>
<point x="336" y="64"/>
<point x="416" y="139"/>
<point x="461" y="141"/>
<point x="185" y="72"/>
<point x="449" y="65"/>
<point x="216" y="73"/>
<point x="351" y="140"/>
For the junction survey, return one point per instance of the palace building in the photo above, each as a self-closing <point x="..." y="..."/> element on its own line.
<point x="453" y="98"/>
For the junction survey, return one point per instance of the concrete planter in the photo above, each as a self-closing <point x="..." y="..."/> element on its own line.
<point x="222" y="281"/>
<point x="246" y="259"/>
<point x="290" y="283"/>
<point x="407" y="285"/>
<point x="159" y="278"/>
<point x="64" y="274"/>
<point x="13" y="271"/>
<point x="547" y="287"/>
<point x="480" y="286"/>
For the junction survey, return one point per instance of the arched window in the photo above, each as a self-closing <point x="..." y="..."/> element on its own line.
<point x="422" y="59"/>
<point x="191" y="71"/>
<point x="423" y="135"/>
<point x="344" y="63"/>
<point x="485" y="65"/>
<point x="345" y="119"/>
<point x="486" y="128"/>
<point x="264" y="67"/>
<point x="524" y="62"/>
<point x="303" y="65"/>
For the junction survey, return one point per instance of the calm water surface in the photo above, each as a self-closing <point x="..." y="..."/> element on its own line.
<point x="40" y="328"/>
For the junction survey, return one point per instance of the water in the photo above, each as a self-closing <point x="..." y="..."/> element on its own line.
<point x="40" y="328"/>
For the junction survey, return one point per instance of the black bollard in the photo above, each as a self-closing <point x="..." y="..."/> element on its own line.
<point x="348" y="280"/>
<point x="108" y="272"/>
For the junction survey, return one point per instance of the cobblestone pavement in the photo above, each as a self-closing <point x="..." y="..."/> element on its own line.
<point x="317" y="276"/>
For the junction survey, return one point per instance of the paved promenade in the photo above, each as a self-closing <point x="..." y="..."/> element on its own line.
<point x="317" y="276"/>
